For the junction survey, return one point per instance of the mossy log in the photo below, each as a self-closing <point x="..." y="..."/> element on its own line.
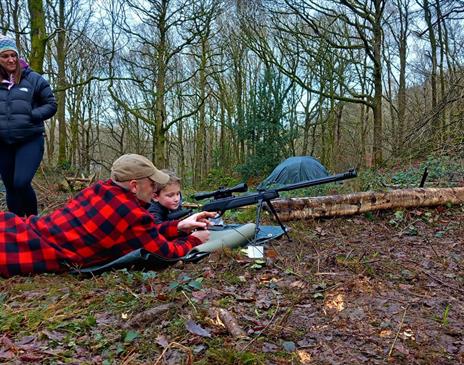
<point x="73" y="184"/>
<point x="340" y="205"/>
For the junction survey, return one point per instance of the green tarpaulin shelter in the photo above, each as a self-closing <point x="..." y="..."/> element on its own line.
<point x="294" y="170"/>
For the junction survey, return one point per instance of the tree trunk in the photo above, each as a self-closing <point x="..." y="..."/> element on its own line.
<point x="159" y="138"/>
<point x="38" y="35"/>
<point x="238" y="80"/>
<point x="306" y="126"/>
<point x="402" y="90"/>
<point x="433" y="50"/>
<point x="180" y="139"/>
<point x="377" y="50"/>
<point x="61" y="95"/>
<point x="159" y="132"/>
<point x="338" y="205"/>
<point x="201" y="153"/>
<point x="441" y="67"/>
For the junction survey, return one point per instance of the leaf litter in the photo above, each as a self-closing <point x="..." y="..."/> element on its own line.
<point x="344" y="290"/>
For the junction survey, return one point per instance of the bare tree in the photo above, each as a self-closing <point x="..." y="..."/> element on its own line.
<point x="39" y="36"/>
<point x="158" y="30"/>
<point x="342" y="25"/>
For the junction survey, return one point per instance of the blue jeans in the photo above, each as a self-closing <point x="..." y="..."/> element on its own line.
<point x="18" y="165"/>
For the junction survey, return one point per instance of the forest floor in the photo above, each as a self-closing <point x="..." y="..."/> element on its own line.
<point x="380" y="288"/>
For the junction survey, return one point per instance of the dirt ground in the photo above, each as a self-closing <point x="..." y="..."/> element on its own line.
<point x="382" y="288"/>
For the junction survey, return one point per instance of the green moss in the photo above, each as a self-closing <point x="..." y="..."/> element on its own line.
<point x="176" y="327"/>
<point x="231" y="278"/>
<point x="231" y="356"/>
<point x="10" y="322"/>
<point x="226" y="302"/>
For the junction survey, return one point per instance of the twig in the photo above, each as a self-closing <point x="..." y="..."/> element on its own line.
<point x="349" y="254"/>
<point x="130" y="357"/>
<point x="435" y="278"/>
<point x="370" y="261"/>
<point x="362" y="256"/>
<point x="335" y="286"/>
<point x="442" y="282"/>
<point x="44" y="175"/>
<point x="265" y="328"/>
<point x="226" y="318"/>
<point x="433" y="249"/>
<point x="397" y="333"/>
<point x="291" y="271"/>
<point x="178" y="345"/>
<point x="190" y="302"/>
<point x="129" y="291"/>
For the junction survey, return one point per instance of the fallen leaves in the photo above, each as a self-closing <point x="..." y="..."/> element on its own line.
<point x="335" y="301"/>
<point x="336" y="296"/>
<point x="304" y="357"/>
<point x="196" y="329"/>
<point x="298" y="284"/>
<point x="385" y="333"/>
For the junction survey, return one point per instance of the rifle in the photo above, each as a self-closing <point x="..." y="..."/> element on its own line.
<point x="179" y="214"/>
<point x="223" y="199"/>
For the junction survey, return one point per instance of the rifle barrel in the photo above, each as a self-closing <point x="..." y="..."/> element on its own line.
<point x="323" y="180"/>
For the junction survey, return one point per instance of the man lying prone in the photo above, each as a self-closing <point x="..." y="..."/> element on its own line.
<point x="103" y="222"/>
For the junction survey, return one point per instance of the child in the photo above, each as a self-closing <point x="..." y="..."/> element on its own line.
<point x="166" y="198"/>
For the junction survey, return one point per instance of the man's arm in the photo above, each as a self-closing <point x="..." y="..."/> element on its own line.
<point x="164" y="242"/>
<point x="173" y="229"/>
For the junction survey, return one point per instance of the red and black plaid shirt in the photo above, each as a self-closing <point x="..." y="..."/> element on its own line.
<point x="103" y="222"/>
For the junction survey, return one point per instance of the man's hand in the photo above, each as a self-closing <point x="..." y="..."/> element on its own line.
<point x="196" y="221"/>
<point x="202" y="235"/>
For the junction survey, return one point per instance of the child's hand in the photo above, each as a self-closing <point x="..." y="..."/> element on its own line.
<point x="202" y="235"/>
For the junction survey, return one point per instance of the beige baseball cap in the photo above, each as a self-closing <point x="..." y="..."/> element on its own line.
<point x="132" y="167"/>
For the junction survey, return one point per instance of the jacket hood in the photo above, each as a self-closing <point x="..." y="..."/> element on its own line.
<point x="24" y="65"/>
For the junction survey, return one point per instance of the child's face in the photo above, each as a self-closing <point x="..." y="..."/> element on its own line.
<point x="169" y="197"/>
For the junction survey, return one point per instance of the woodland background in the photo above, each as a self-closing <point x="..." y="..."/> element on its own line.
<point x="215" y="88"/>
<point x="224" y="90"/>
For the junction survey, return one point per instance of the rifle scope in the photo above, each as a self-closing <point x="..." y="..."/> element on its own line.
<point x="222" y="192"/>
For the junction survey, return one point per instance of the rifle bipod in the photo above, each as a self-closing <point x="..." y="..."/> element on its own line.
<point x="274" y="213"/>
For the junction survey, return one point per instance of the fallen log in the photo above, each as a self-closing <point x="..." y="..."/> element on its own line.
<point x="72" y="184"/>
<point x="339" y="205"/>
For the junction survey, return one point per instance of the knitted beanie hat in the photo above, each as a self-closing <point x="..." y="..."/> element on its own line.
<point x="7" y="44"/>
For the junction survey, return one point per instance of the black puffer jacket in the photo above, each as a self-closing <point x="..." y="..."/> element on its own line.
<point x="160" y="214"/>
<point x="24" y="107"/>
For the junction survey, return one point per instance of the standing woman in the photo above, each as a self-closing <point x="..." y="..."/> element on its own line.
<point x="26" y="100"/>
